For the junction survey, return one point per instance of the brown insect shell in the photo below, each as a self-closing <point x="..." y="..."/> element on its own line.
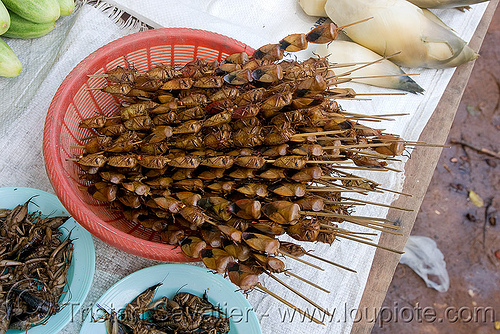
<point x="130" y="200"/>
<point x="209" y="82"/>
<point x="161" y="72"/>
<point x="223" y="187"/>
<point x="250" y="97"/>
<point x="168" y="203"/>
<point x="118" y="89"/>
<point x="304" y="230"/>
<point x="253" y="161"/>
<point x="189" y="184"/>
<point x="242" y="276"/>
<point x="212" y="174"/>
<point x="290" y="162"/>
<point x="165" y="97"/>
<point x="261" y="242"/>
<point x="153" y="161"/>
<point x="311" y="85"/>
<point x="249" y="110"/>
<point x="291" y="248"/>
<point x="294" y="43"/>
<point x="231" y="232"/>
<point x="139" y="123"/>
<point x="272" y="264"/>
<point x="194" y="215"/>
<point x="311" y="204"/>
<point x="188" y="142"/>
<point x="241" y="152"/>
<point x="248" y="137"/>
<point x="239" y="77"/>
<point x="253" y="189"/>
<point x="273" y="174"/>
<point x="188" y="161"/>
<point x="218" y="140"/>
<point x="221" y="161"/>
<point x="161" y="182"/>
<point x="188" y="198"/>
<point x="308" y="174"/>
<point x="327" y="238"/>
<point x="289" y="189"/>
<point x="173" y="235"/>
<point x="178" y="83"/>
<point x="396" y="147"/>
<point x="276" y="102"/>
<point x="120" y="74"/>
<point x="219" y="106"/>
<point x="216" y="259"/>
<point x="246" y="208"/>
<point x="192" y="126"/>
<point x="268" y="73"/>
<point x="112" y="177"/>
<point x="323" y="34"/>
<point x="226" y="92"/>
<point x="183" y="173"/>
<point x="192" y="246"/>
<point x="213" y="238"/>
<point x="271" y="52"/>
<point x="95" y="122"/>
<point x="282" y="212"/>
<point x="133" y="110"/>
<point x="92" y="160"/>
<point x="135" y="215"/>
<point x="122" y="161"/>
<point x="268" y="227"/>
<point x="247" y="122"/>
<point x="223" y="117"/>
<point x="237" y="58"/>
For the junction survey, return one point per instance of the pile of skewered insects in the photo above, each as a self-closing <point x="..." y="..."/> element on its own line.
<point x="34" y="264"/>
<point x="222" y="158"/>
<point x="183" y="313"/>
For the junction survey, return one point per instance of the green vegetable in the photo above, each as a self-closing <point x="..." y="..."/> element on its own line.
<point x="10" y="66"/>
<point x="4" y="19"/>
<point x="66" y="6"/>
<point x="38" y="11"/>
<point x="22" y="28"/>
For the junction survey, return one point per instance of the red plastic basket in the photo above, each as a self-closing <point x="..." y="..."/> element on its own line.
<point x="73" y="102"/>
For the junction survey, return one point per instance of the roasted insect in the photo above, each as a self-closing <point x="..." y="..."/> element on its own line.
<point x="35" y="260"/>
<point x="182" y="313"/>
<point x="222" y="159"/>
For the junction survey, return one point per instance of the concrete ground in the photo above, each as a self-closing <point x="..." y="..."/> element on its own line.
<point x="467" y="235"/>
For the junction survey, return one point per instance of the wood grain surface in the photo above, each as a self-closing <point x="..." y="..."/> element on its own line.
<point x="418" y="171"/>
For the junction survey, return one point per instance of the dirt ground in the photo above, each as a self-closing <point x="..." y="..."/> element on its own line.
<point x="467" y="235"/>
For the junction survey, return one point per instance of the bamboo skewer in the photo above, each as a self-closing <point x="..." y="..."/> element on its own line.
<point x="371" y="244"/>
<point x="289" y="272"/>
<point x="378" y="204"/>
<point x="298" y="293"/>
<point x="299" y="259"/>
<point x="330" y="262"/>
<point x="272" y="294"/>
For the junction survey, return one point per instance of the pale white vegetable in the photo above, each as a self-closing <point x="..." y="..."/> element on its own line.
<point x="399" y="26"/>
<point x="444" y="3"/>
<point x="313" y="7"/>
<point x="342" y="52"/>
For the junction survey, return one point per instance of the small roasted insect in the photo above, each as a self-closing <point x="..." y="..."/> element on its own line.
<point x="182" y="313"/>
<point x="35" y="260"/>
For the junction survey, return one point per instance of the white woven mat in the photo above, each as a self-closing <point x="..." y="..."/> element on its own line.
<point x="49" y="59"/>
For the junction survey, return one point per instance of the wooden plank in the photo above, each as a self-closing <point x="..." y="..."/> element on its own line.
<point x="418" y="170"/>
